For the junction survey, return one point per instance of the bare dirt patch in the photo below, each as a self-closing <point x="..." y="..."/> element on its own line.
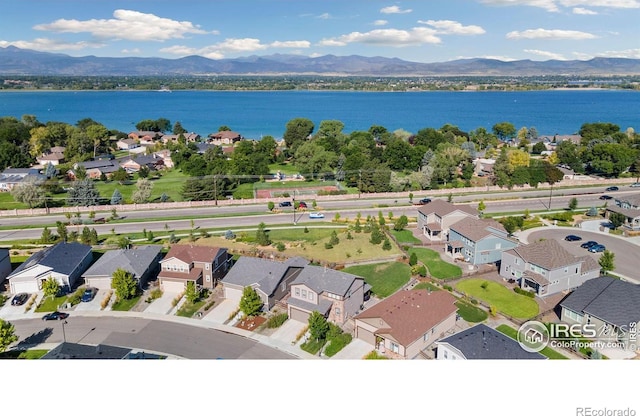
<point x="251" y="323"/>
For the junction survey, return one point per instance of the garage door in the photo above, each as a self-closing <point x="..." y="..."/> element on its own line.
<point x="232" y="293"/>
<point x="101" y="284"/>
<point x="174" y="287"/>
<point x="27" y="287"/>
<point x="298" y="315"/>
<point x="365" y="335"/>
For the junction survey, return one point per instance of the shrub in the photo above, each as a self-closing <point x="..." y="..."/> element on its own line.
<point x="106" y="299"/>
<point x="75" y="297"/>
<point x="337" y="343"/>
<point x="447" y="287"/>
<point x="176" y="300"/>
<point x="229" y="235"/>
<point x="328" y="246"/>
<point x="155" y="294"/>
<point x="276" y="321"/>
<point x="474" y="301"/>
<point x="209" y="305"/>
<point x="280" y="246"/>
<point x="492" y="310"/>
<point x="524" y="292"/>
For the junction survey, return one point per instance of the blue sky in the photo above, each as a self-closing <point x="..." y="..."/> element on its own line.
<point x="414" y="30"/>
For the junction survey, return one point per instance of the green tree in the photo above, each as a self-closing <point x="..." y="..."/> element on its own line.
<point x="413" y="259"/>
<point x="617" y="219"/>
<point x="124" y="284"/>
<point x="191" y="293"/>
<point x="50" y="287"/>
<point x="401" y="223"/>
<point x="120" y="175"/>
<point x="262" y="237"/>
<point x="7" y="335"/>
<point x="334" y="240"/>
<point x="250" y="303"/>
<point x="318" y="326"/>
<point x="61" y="227"/>
<point x="573" y="204"/>
<point x="504" y="130"/>
<point x="297" y="131"/>
<point x="482" y="206"/>
<point x="357" y="227"/>
<point x="30" y="193"/>
<point x="386" y="245"/>
<point x="538" y="148"/>
<point x="83" y="193"/>
<point x="47" y="237"/>
<point x="144" y="187"/>
<point x="606" y="261"/>
<point x="271" y="205"/>
<point x="116" y="197"/>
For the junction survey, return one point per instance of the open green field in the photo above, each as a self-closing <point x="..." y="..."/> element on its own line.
<point x="7" y="202"/>
<point x="385" y="278"/>
<point x="437" y="267"/>
<point x="171" y="183"/>
<point x="503" y="299"/>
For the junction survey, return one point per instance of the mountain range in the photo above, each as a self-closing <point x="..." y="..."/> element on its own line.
<point x="16" y="61"/>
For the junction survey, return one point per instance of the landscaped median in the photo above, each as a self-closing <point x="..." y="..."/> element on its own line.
<point x="502" y="299"/>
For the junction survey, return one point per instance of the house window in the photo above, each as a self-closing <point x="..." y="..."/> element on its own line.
<point x="395" y="348"/>
<point x="304" y="293"/>
<point x="425" y="337"/>
<point x="498" y="246"/>
<point x="310" y="295"/>
<point x="175" y="268"/>
<point x="337" y="311"/>
<point x="206" y="266"/>
<point x="297" y="291"/>
<point x="517" y="261"/>
<point x="446" y="354"/>
<point x="208" y="278"/>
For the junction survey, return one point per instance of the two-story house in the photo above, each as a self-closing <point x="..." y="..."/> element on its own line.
<point x="336" y="295"/>
<point x="204" y="266"/>
<point x="478" y="241"/>
<point x="435" y="218"/>
<point x="224" y="137"/>
<point x="629" y="206"/>
<point x="545" y="267"/>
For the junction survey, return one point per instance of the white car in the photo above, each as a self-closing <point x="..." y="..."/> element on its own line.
<point x="635" y="185"/>
<point x="315" y="215"/>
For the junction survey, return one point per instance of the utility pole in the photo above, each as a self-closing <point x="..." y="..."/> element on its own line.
<point x="550" y="192"/>
<point x="359" y="182"/>
<point x="215" y="189"/>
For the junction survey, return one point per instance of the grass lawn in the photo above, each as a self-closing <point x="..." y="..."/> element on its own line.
<point x="286" y="168"/>
<point x="188" y="309"/>
<point x="373" y="355"/>
<point x="426" y="285"/>
<point x="125" y="305"/>
<point x="23" y="355"/>
<point x="471" y="313"/>
<point x="312" y="346"/>
<point x="170" y="182"/>
<point x="404" y="236"/>
<point x="49" y="304"/>
<point x="437" y="267"/>
<point x="503" y="299"/>
<point x="384" y="278"/>
<point x="546" y="351"/>
<point x="7" y="202"/>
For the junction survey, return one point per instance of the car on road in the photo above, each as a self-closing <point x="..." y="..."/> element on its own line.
<point x="284" y="204"/>
<point x="598" y="248"/>
<point x="316" y="215"/>
<point x="55" y="316"/>
<point x="605" y="197"/>
<point x="19" y="299"/>
<point x="589" y="244"/>
<point x="302" y="204"/>
<point x="424" y="201"/>
<point x="89" y="294"/>
<point x="635" y="185"/>
<point x="572" y="237"/>
<point x="612" y="188"/>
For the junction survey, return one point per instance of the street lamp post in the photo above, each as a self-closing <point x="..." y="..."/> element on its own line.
<point x="64" y="335"/>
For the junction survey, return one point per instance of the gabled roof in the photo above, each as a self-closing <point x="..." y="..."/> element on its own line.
<point x="135" y="260"/>
<point x="630" y="200"/>
<point x="70" y="351"/>
<point x="322" y="279"/>
<point x="225" y="134"/>
<point x="475" y="229"/>
<point x="189" y="253"/>
<point x="442" y="208"/>
<point x="548" y="254"/>
<point x="265" y="274"/>
<point x="98" y="164"/>
<point x="485" y="343"/>
<point x="611" y="300"/>
<point x="62" y="258"/>
<point x="411" y="313"/>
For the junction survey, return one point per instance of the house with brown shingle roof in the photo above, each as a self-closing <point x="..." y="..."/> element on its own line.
<point x="204" y="266"/>
<point x="224" y="137"/>
<point x="478" y="241"/>
<point x="629" y="206"/>
<point x="546" y="268"/>
<point x="435" y="218"/>
<point x="407" y="322"/>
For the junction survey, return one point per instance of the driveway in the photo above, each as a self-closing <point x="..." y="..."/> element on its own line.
<point x="220" y="313"/>
<point x="9" y="311"/>
<point x="288" y="332"/>
<point x="356" y="350"/>
<point x="93" y="305"/>
<point x="162" y="305"/>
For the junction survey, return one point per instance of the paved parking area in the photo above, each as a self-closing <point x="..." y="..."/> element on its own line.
<point x="221" y="312"/>
<point x="162" y="305"/>
<point x="9" y="311"/>
<point x="94" y="305"/>
<point x="288" y="331"/>
<point x="356" y="350"/>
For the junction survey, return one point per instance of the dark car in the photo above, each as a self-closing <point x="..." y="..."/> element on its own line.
<point x="89" y="294"/>
<point x="589" y="244"/>
<point x="284" y="204"/>
<point x="302" y="204"/>
<point x="424" y="201"/>
<point x="55" y="316"/>
<point x="20" y="299"/>
<point x="606" y="197"/>
<point x="572" y="237"/>
<point x="597" y="248"/>
<point x="612" y="188"/>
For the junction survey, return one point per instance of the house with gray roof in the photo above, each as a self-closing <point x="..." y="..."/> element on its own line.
<point x="612" y="305"/>
<point x="12" y="177"/>
<point x="140" y="261"/>
<point x="629" y="206"/>
<point x="546" y="268"/>
<point x="335" y="294"/>
<point x="65" y="262"/>
<point x="270" y="279"/>
<point x="481" y="342"/>
<point x="5" y="264"/>
<point x="436" y="217"/>
<point x="478" y="241"/>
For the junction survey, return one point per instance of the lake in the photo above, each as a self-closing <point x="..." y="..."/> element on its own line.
<point x="257" y="113"/>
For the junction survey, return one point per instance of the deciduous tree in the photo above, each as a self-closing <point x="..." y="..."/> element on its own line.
<point x="7" y="335"/>
<point x="124" y="284"/>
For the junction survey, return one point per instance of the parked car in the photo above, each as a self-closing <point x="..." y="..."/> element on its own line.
<point x="424" y="201"/>
<point x="19" y="299"/>
<point x="55" y="316"/>
<point x="635" y="185"/>
<point x="284" y="204"/>
<point x="606" y="197"/>
<point x="572" y="237"/>
<point x="612" y="188"/>
<point x="598" y="248"/>
<point x="316" y="215"/>
<point x="89" y="294"/>
<point x="589" y="244"/>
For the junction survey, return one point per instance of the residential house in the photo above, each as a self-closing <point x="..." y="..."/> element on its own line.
<point x="165" y="155"/>
<point x="478" y="241"/>
<point x="95" y="168"/>
<point x="65" y="262"/>
<point x="140" y="261"/>
<point x="483" y="167"/>
<point x="174" y="138"/>
<point x="336" y="295"/>
<point x="153" y="162"/>
<point x="203" y="147"/>
<point x="74" y="351"/>
<point x="224" y="137"/>
<point x="204" y="266"/>
<point x="481" y="342"/>
<point x="436" y="217"/>
<point x="146" y="138"/>
<point x="11" y="177"/>
<point x="270" y="279"/>
<point x="629" y="206"/>
<point x="407" y="322"/>
<point x="546" y="268"/>
<point x="127" y="144"/>
<point x="611" y="305"/>
<point x="55" y="156"/>
<point x="5" y="264"/>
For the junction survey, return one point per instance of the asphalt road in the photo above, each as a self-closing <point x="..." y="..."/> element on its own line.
<point x="186" y="341"/>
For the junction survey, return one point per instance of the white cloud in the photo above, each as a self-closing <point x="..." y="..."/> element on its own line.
<point x="380" y="22"/>
<point x="553" y="34"/>
<point x="546" y="54"/>
<point x="628" y="53"/>
<point x="231" y="45"/>
<point x="549" y="5"/>
<point x="324" y="16"/>
<point x="613" y="4"/>
<point x="134" y="51"/>
<point x="450" y="27"/>
<point x="581" y="10"/>
<point x="394" y="10"/>
<point x="127" y="25"/>
<point x="49" y="45"/>
<point x="389" y="37"/>
<point x="290" y="44"/>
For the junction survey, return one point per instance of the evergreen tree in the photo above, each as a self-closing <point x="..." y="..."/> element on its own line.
<point x="318" y="326"/>
<point x="47" y="237"/>
<point x="262" y="238"/>
<point x="250" y="303"/>
<point x="83" y="193"/>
